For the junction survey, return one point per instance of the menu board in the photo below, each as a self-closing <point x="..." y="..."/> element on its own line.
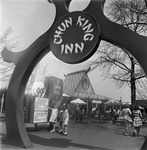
<point x="41" y="104"/>
<point x="40" y="114"/>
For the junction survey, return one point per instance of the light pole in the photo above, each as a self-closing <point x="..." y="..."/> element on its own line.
<point x="120" y="102"/>
<point x="2" y="103"/>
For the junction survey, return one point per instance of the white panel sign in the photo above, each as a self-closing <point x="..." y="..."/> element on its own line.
<point x="41" y="103"/>
<point x="96" y="102"/>
<point x="40" y="116"/>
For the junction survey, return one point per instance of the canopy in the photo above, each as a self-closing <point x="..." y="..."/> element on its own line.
<point x="140" y="107"/>
<point x="78" y="101"/>
<point x="113" y="102"/>
<point x="65" y="95"/>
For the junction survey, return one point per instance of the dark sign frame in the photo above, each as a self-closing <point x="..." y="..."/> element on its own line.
<point x="26" y="60"/>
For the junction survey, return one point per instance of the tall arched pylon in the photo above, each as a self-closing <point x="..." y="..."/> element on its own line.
<point x="95" y="27"/>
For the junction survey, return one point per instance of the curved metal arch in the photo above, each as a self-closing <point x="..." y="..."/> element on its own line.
<point x="16" y="131"/>
<point x="27" y="60"/>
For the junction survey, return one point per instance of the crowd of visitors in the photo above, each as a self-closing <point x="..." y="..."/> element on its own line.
<point x="129" y="117"/>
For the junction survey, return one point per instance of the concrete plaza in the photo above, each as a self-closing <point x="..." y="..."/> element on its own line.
<point x="81" y="136"/>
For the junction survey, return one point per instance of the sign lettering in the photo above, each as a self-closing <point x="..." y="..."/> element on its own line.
<point x="41" y="103"/>
<point x="74" y="37"/>
<point x="40" y="116"/>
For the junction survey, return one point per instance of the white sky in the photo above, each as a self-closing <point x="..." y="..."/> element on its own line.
<point x="31" y="18"/>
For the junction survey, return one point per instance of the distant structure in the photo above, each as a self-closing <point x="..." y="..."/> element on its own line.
<point x="78" y="85"/>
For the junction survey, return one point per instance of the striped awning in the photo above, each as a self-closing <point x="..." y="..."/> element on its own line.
<point x="73" y="86"/>
<point x="88" y="96"/>
<point x="72" y="81"/>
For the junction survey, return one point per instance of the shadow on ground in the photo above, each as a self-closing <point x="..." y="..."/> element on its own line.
<point x="62" y="143"/>
<point x="9" y="143"/>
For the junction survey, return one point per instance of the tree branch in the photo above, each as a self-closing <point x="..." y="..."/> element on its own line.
<point x="114" y="61"/>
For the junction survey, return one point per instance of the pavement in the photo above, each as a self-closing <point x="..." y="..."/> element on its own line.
<point x="81" y="136"/>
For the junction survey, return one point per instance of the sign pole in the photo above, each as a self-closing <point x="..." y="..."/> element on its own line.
<point x="2" y="103"/>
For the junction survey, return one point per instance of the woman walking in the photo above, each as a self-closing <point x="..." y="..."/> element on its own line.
<point x="137" y="121"/>
<point x="127" y="119"/>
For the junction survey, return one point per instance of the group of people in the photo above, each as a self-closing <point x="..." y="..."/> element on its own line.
<point x="134" y="118"/>
<point x="79" y="114"/>
<point x="114" y="114"/>
<point x="59" y="115"/>
<point x="130" y="118"/>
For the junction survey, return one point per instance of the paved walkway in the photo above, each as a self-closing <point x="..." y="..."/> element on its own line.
<point x="98" y="136"/>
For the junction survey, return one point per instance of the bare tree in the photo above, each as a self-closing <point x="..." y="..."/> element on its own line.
<point x="117" y="63"/>
<point x="131" y="14"/>
<point x="38" y="74"/>
<point x="6" y="40"/>
<point x="6" y="69"/>
<point x="32" y="79"/>
<point x="145" y="3"/>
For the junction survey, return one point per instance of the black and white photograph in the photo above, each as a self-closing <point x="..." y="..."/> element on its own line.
<point x="73" y="74"/>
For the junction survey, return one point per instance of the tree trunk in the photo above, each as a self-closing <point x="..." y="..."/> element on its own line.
<point x="133" y="85"/>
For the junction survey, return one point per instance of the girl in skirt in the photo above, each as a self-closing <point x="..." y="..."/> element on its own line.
<point x="137" y="121"/>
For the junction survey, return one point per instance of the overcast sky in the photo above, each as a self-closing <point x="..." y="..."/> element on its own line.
<point x="30" y="19"/>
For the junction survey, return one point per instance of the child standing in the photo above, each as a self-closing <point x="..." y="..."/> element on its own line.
<point x="53" y="117"/>
<point x="65" y="119"/>
<point x="60" y="121"/>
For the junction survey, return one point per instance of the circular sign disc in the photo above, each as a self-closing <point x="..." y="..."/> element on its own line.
<point x="75" y="37"/>
<point x="85" y="84"/>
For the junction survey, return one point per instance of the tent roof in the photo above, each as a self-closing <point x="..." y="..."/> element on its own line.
<point x="65" y="95"/>
<point x="78" y="101"/>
